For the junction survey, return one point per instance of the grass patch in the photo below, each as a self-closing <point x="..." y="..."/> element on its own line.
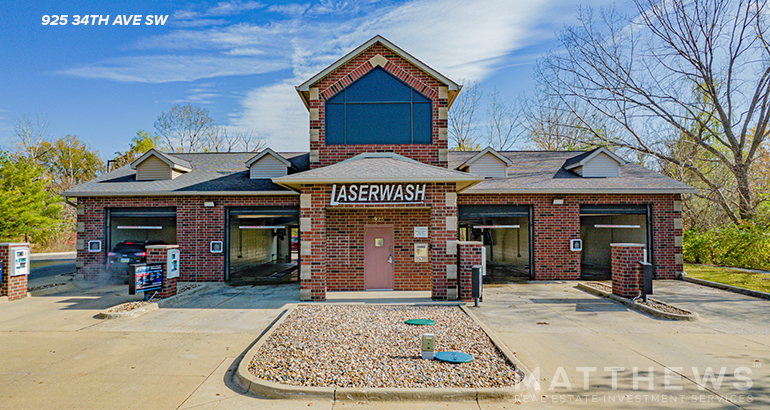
<point x="727" y="276"/>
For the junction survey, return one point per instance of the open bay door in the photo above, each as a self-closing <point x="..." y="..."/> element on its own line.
<point x="601" y="225"/>
<point x="506" y="231"/>
<point x="262" y="244"/>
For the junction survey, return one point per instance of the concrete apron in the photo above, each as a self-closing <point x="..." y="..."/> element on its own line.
<point x="260" y="387"/>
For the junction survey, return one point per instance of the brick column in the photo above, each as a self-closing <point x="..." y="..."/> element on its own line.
<point x="312" y="252"/>
<point x="443" y="248"/>
<point x="12" y="287"/>
<point x="158" y="254"/>
<point x="626" y="271"/>
<point x="469" y="256"/>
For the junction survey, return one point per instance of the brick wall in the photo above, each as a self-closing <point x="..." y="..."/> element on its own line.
<point x="12" y="287"/>
<point x="321" y="268"/>
<point x="347" y="74"/>
<point x="555" y="225"/>
<point x="345" y="246"/>
<point x="196" y="226"/>
<point x="626" y="270"/>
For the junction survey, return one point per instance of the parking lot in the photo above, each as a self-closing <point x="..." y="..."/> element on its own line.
<point x="55" y="354"/>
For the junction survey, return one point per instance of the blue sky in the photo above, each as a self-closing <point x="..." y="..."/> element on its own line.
<point x="242" y="59"/>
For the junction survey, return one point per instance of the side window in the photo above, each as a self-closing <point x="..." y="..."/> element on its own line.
<point x="378" y="109"/>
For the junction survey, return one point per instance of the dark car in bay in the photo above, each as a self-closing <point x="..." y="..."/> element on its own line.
<point x="126" y="253"/>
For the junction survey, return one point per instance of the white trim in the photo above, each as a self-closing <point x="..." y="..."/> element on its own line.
<point x="177" y="193"/>
<point x="161" y="156"/>
<point x="378" y="39"/>
<point x="586" y="191"/>
<point x="485" y="151"/>
<point x="268" y="151"/>
<point x="352" y="180"/>
<point x="600" y="150"/>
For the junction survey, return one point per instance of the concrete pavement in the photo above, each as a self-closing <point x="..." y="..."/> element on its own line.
<point x="55" y="354"/>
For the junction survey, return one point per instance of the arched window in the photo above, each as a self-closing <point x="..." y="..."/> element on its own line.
<point x="378" y="109"/>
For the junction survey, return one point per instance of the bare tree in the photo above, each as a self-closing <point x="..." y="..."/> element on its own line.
<point x="188" y="128"/>
<point x="682" y="72"/>
<point x="236" y="139"/>
<point x="551" y="127"/>
<point x="504" y="123"/>
<point x="462" y="128"/>
<point x="32" y="134"/>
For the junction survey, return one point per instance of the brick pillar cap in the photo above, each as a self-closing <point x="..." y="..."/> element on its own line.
<point x="470" y="243"/>
<point x="628" y="245"/>
<point x="162" y="246"/>
<point x="15" y="244"/>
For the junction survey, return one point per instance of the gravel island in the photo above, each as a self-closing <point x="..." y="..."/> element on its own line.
<point x="371" y="347"/>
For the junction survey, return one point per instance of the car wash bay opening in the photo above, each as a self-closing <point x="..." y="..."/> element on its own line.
<point x="261" y="244"/>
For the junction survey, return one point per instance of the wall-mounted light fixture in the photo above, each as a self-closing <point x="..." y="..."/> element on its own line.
<point x="208" y="204"/>
<point x="558" y="201"/>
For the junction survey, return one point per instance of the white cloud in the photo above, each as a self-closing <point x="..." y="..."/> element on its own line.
<point x="227" y="8"/>
<point x="246" y="51"/>
<point x="293" y="10"/>
<point x="277" y="113"/>
<point x="192" y="18"/>
<point x="168" y="68"/>
<point x="458" y="38"/>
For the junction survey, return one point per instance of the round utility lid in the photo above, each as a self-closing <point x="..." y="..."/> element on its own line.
<point x="420" y="322"/>
<point x="454" y="357"/>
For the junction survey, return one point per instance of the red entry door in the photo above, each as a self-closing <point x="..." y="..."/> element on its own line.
<point x="378" y="257"/>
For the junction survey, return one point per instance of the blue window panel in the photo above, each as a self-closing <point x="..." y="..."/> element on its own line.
<point x="335" y="124"/>
<point x="378" y="124"/>
<point x="378" y="86"/>
<point x="419" y="98"/>
<point x="338" y="98"/>
<point x="378" y="109"/>
<point x="423" y="129"/>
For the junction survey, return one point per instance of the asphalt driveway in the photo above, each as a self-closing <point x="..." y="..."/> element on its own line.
<point x="55" y="354"/>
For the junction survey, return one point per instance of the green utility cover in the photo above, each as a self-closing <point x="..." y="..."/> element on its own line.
<point x="420" y="322"/>
<point x="454" y="357"/>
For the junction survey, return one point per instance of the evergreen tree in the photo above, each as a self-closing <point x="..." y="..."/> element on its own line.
<point x="29" y="209"/>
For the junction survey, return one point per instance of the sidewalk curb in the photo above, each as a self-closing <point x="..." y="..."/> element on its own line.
<point x="729" y="288"/>
<point x="151" y="306"/>
<point x="641" y="308"/>
<point x="53" y="290"/>
<point x="257" y="386"/>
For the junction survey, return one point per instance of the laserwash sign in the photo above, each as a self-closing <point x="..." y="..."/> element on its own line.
<point x="373" y="194"/>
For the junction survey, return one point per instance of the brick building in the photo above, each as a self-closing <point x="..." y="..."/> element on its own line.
<point x="379" y="202"/>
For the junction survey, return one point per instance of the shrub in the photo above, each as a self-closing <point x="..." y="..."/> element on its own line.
<point x="742" y="245"/>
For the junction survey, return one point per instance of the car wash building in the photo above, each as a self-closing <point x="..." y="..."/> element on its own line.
<point x="380" y="202"/>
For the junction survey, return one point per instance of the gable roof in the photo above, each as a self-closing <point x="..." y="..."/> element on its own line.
<point x="268" y="151"/>
<point x="212" y="173"/>
<point x="485" y="151"/>
<point x="582" y="159"/>
<point x="304" y="88"/>
<point x="542" y="172"/>
<point x="378" y="167"/>
<point x="175" y="163"/>
<point x="532" y="172"/>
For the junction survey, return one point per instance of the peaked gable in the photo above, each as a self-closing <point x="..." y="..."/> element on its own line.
<point x="597" y="163"/>
<point x="155" y="165"/>
<point x="307" y="92"/>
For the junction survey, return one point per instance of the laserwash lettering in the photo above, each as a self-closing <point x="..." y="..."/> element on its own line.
<point x="378" y="194"/>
